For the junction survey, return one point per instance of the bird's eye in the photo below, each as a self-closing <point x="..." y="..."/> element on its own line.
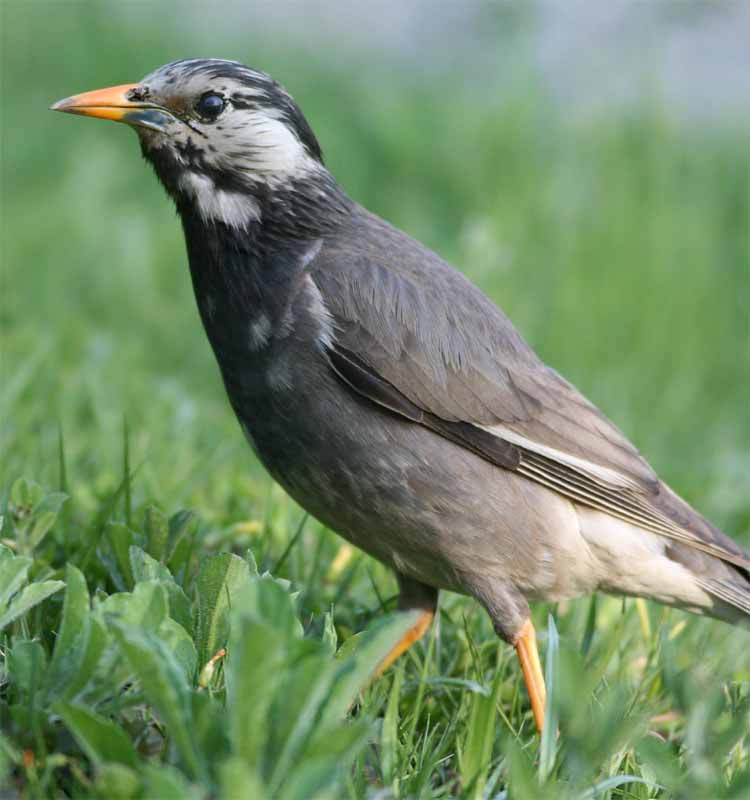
<point x="210" y="106"/>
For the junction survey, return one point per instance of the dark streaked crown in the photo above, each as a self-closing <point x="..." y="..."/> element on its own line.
<point x="244" y="87"/>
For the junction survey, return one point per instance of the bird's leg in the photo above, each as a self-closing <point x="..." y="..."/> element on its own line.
<point x="414" y="596"/>
<point x="413" y="635"/>
<point x="533" y="677"/>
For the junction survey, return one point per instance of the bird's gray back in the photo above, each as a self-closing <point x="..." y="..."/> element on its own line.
<point x="427" y="329"/>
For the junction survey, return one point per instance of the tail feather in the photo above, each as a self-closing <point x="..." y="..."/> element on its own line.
<point x="728" y="583"/>
<point x="728" y="591"/>
<point x="681" y="512"/>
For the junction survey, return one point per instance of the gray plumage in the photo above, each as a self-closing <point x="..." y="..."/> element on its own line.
<point x="389" y="396"/>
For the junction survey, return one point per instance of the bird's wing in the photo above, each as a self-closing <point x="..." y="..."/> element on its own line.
<point x="414" y="335"/>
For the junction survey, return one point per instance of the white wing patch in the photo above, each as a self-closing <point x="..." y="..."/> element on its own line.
<point x="608" y="476"/>
<point x="604" y="490"/>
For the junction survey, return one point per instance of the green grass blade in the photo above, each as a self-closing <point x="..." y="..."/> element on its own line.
<point x="548" y="745"/>
<point x="477" y="752"/>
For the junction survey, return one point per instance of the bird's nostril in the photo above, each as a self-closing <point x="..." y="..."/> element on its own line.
<point x="138" y="93"/>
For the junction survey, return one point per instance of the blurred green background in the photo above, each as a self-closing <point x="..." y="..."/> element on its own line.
<point x="615" y="237"/>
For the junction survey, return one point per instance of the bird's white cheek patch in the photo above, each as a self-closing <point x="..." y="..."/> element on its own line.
<point x="274" y="152"/>
<point x="218" y="205"/>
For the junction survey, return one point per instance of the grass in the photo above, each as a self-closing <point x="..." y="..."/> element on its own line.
<point x="617" y="244"/>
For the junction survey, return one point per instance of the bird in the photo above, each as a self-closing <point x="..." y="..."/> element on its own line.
<point x="390" y="397"/>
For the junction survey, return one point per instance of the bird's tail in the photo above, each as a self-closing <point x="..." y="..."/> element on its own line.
<point x="727" y="583"/>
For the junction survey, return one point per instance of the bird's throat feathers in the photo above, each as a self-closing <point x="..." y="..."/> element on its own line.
<point x="289" y="204"/>
<point x="250" y="271"/>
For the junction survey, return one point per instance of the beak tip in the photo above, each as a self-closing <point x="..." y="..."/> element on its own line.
<point x="112" y="103"/>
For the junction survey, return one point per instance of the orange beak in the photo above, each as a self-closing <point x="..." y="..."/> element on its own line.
<point x="115" y="104"/>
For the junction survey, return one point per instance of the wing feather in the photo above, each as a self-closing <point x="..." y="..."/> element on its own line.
<point x="415" y="336"/>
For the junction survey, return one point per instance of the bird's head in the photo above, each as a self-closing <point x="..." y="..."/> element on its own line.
<point x="222" y="137"/>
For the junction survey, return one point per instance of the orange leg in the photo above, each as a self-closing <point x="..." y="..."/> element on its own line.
<point x="413" y="635"/>
<point x="528" y="655"/>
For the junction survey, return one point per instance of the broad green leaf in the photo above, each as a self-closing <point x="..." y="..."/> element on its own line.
<point x="53" y="502"/>
<point x="144" y="568"/>
<point x="163" y="782"/>
<point x="27" y="662"/>
<point x="44" y="517"/>
<point x="110" y="672"/>
<point x="99" y="738"/>
<point x="254" y="662"/>
<point x="117" y="782"/>
<point x="179" y="605"/>
<point x="178" y="640"/>
<point x="39" y="528"/>
<point x="266" y="599"/>
<point x="240" y="782"/>
<point x="264" y="626"/>
<point x="146" y="606"/>
<point x="72" y="639"/>
<point x="34" y="512"/>
<point x="27" y="599"/>
<point x="93" y="652"/>
<point x="157" y="533"/>
<point x="25" y="494"/>
<point x="219" y="579"/>
<point x="75" y="612"/>
<point x="164" y="685"/>
<point x="210" y="727"/>
<point x="179" y="561"/>
<point x="301" y="690"/>
<point x="13" y="573"/>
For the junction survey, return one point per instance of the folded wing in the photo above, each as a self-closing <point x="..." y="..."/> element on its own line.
<point x="415" y="336"/>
